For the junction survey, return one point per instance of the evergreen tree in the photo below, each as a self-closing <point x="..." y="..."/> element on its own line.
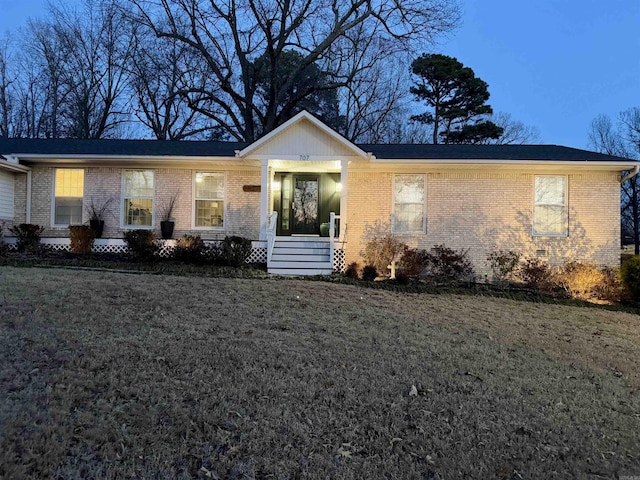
<point x="457" y="98"/>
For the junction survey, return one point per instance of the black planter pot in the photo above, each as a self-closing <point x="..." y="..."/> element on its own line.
<point x="166" y="228"/>
<point x="97" y="226"/>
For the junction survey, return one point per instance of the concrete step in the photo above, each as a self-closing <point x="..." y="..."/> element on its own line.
<point x="301" y="257"/>
<point x="303" y="238"/>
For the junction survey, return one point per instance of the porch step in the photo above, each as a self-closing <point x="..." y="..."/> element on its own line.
<point x="302" y="244"/>
<point x="300" y="271"/>
<point x="300" y="256"/>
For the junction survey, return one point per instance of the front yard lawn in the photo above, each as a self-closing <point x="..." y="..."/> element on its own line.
<point x="113" y="375"/>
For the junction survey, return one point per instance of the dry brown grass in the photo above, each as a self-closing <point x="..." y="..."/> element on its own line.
<point x="106" y="375"/>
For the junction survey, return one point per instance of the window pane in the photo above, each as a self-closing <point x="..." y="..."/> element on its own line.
<point x="209" y="213"/>
<point x="550" y="220"/>
<point x="550" y="190"/>
<point x="138" y="211"/>
<point x="138" y="183"/>
<point x="209" y="185"/>
<point x="68" y="211"/>
<point x="69" y="182"/>
<point x="408" y="217"/>
<point x="409" y="189"/>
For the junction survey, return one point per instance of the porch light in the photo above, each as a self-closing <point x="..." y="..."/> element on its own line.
<point x="338" y="187"/>
<point x="275" y="185"/>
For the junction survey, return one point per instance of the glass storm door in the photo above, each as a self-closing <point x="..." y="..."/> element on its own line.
<point x="305" y="205"/>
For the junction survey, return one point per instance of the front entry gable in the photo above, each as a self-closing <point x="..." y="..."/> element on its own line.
<point x="304" y="137"/>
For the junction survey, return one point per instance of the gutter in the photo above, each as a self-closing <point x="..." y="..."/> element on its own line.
<point x="633" y="173"/>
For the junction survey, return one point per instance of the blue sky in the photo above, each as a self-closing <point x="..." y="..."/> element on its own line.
<point x="552" y="64"/>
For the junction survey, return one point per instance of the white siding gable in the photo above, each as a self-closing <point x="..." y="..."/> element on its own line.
<point x="303" y="138"/>
<point x="6" y="196"/>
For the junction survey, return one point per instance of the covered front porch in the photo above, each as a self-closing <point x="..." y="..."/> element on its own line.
<point x="304" y="219"/>
<point x="303" y="194"/>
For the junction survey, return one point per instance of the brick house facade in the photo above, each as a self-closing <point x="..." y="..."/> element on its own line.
<point x="553" y="202"/>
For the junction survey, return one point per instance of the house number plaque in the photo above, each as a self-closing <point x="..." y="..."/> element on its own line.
<point x="251" y="188"/>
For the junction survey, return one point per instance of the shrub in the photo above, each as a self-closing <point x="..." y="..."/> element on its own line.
<point x="28" y="236"/>
<point x="630" y="274"/>
<point x="141" y="244"/>
<point x="82" y="238"/>
<point x="412" y="262"/>
<point x="4" y="248"/>
<point x="352" y="270"/>
<point x="369" y="273"/>
<point x="610" y="289"/>
<point x="402" y="278"/>
<point x="504" y="264"/>
<point x="189" y="249"/>
<point x="445" y="264"/>
<point x="381" y="251"/>
<point x="535" y="273"/>
<point x="236" y="250"/>
<point x="580" y="280"/>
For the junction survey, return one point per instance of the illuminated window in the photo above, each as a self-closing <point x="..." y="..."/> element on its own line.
<point x="138" y="198"/>
<point x="550" y="206"/>
<point x="408" y="206"/>
<point x="69" y="190"/>
<point x="209" y="199"/>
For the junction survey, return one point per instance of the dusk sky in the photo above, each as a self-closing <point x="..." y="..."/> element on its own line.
<point x="552" y="64"/>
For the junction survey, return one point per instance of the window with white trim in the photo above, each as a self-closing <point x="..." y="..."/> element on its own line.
<point x="550" y="217"/>
<point x="68" y="195"/>
<point x="138" y="198"/>
<point x="209" y="199"/>
<point x="409" y="204"/>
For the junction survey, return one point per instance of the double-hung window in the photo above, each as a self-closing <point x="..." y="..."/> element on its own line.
<point x="68" y="193"/>
<point x="550" y="217"/>
<point x="209" y="199"/>
<point x="138" y="198"/>
<point x="409" y="204"/>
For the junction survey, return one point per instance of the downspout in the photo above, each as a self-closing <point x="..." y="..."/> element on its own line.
<point x="633" y="173"/>
<point x="28" y="207"/>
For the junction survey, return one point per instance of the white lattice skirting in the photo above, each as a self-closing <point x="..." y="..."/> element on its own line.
<point x="118" y="246"/>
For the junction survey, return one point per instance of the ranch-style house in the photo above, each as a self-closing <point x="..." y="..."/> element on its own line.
<point x="310" y="199"/>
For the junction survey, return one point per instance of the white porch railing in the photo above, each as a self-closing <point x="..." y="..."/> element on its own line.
<point x="271" y="233"/>
<point x="332" y="235"/>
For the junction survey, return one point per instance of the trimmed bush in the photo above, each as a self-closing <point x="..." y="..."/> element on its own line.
<point x="352" y="270"/>
<point x="381" y="251"/>
<point x="535" y="273"/>
<point x="445" y="265"/>
<point x="28" y="236"/>
<point x="369" y="273"/>
<point x="189" y="249"/>
<point x="630" y="274"/>
<point x="82" y="238"/>
<point x="236" y="250"/>
<point x="504" y="264"/>
<point x="413" y="261"/>
<point x="141" y="244"/>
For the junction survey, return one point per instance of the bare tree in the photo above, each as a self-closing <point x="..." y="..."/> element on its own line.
<point x="160" y="71"/>
<point x="513" y="131"/>
<point x="623" y="140"/>
<point x="230" y="35"/>
<point x="7" y="95"/>
<point x="95" y="47"/>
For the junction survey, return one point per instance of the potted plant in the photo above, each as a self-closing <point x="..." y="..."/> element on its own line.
<point x="167" y="222"/>
<point x="97" y="211"/>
